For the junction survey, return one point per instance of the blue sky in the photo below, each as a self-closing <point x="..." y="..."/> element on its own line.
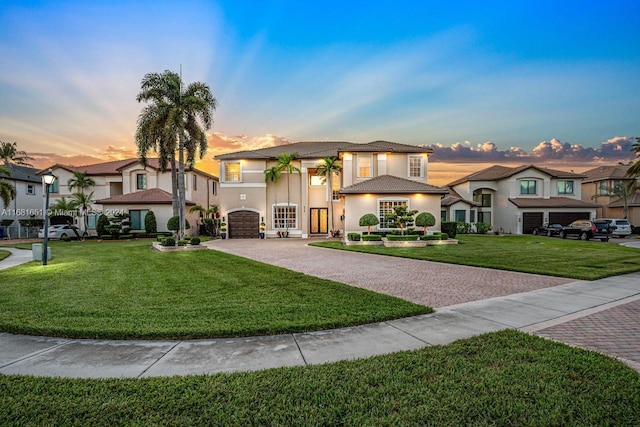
<point x="478" y="81"/>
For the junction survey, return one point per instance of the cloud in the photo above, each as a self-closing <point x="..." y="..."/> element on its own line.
<point x="220" y="143"/>
<point x="613" y="150"/>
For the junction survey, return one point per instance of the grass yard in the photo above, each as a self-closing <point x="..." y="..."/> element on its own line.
<point x="530" y="254"/>
<point x="504" y="378"/>
<point x="124" y="290"/>
<point x="4" y="254"/>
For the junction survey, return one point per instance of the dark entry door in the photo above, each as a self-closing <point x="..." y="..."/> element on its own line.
<point x="244" y="225"/>
<point x="319" y="220"/>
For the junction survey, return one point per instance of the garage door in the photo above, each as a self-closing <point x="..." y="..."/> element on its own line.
<point x="531" y="220"/>
<point x="244" y="225"/>
<point x="566" y="218"/>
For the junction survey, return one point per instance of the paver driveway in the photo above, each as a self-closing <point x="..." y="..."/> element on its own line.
<point x="430" y="283"/>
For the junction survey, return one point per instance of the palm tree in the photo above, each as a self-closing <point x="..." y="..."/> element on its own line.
<point x="285" y="163"/>
<point x="634" y="170"/>
<point x="63" y="205"/>
<point x="7" y="191"/>
<point x="326" y="169"/>
<point x="623" y="191"/>
<point x="201" y="211"/>
<point x="175" y="120"/>
<point x="81" y="181"/>
<point x="273" y="175"/>
<point x="10" y="154"/>
<point x="82" y="202"/>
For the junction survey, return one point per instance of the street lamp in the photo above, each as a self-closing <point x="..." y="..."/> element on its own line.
<point x="48" y="179"/>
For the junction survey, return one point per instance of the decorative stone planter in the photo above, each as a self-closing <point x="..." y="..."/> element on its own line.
<point x="157" y="246"/>
<point x="361" y="242"/>
<point x="441" y="242"/>
<point x="404" y="243"/>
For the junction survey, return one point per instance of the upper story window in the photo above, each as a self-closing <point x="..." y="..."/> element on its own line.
<point x="416" y="167"/>
<point x="232" y="172"/>
<point x="31" y="189"/>
<point x="335" y="180"/>
<point x="195" y="182"/>
<point x="53" y="188"/>
<point x="214" y="188"/>
<point x="141" y="181"/>
<point x="317" y="181"/>
<point x="528" y="186"/>
<point x="565" y="187"/>
<point x="483" y="199"/>
<point x="364" y="166"/>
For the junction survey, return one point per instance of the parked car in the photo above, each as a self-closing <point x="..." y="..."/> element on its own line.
<point x="59" y="231"/>
<point x="622" y="226"/>
<point x="548" y="230"/>
<point x="586" y="230"/>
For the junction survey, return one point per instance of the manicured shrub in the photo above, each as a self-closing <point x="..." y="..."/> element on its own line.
<point x="402" y="238"/>
<point x="353" y="237"/>
<point x="195" y="241"/>
<point x="182" y="242"/>
<point x="425" y="219"/>
<point x="169" y="241"/>
<point x="101" y="225"/>
<point x="174" y="223"/>
<point x="367" y="220"/>
<point x="451" y="228"/>
<point x="371" y="238"/>
<point x="464" y="228"/>
<point x="150" y="223"/>
<point x="482" y="227"/>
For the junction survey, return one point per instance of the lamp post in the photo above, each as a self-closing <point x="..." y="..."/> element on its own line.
<point x="48" y="179"/>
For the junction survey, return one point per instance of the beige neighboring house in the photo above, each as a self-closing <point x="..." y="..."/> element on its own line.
<point x="518" y="199"/>
<point x="454" y="207"/>
<point x="598" y="180"/>
<point x="129" y="187"/>
<point x="27" y="203"/>
<point x="375" y="177"/>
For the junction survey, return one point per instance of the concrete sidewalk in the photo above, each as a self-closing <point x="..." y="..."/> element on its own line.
<point x="17" y="257"/>
<point x="535" y="311"/>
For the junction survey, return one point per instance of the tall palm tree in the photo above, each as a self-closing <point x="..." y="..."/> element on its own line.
<point x="272" y="175"/>
<point x="82" y="202"/>
<point x="623" y="191"/>
<point x="326" y="169"/>
<point x="10" y="154"/>
<point x="634" y="170"/>
<point x="81" y="181"/>
<point x="174" y="120"/>
<point x="7" y="191"/>
<point x="285" y="163"/>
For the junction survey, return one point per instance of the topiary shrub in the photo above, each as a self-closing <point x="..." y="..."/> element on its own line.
<point x="367" y="220"/>
<point x="353" y="237"/>
<point x="371" y="238"/>
<point x="169" y="241"/>
<point x="425" y="219"/>
<point x="182" y="242"/>
<point x="174" y="223"/>
<point x="402" y="238"/>
<point x="150" y="223"/>
<point x="450" y="228"/>
<point x="102" y="224"/>
<point x="195" y="241"/>
<point x="482" y="227"/>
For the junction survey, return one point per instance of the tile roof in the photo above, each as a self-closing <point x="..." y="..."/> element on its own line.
<point x="553" y="202"/>
<point x="453" y="197"/>
<point x="114" y="167"/>
<point x="388" y="184"/>
<point x="319" y="149"/>
<point x="497" y="172"/>
<point x="152" y="196"/>
<point x="602" y="173"/>
<point x="22" y="173"/>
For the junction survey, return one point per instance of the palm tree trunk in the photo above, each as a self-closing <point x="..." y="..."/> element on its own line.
<point x="330" y="186"/>
<point x="286" y="219"/>
<point x="181" y="187"/>
<point x="175" y="201"/>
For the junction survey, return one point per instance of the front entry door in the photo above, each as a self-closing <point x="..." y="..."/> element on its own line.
<point x="319" y="220"/>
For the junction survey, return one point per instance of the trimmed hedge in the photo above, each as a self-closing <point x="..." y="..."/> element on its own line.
<point x="371" y="238"/>
<point x="353" y="237"/>
<point x="400" y="238"/>
<point x="169" y="241"/>
<point x="450" y="228"/>
<point x="195" y="241"/>
<point x="435" y="236"/>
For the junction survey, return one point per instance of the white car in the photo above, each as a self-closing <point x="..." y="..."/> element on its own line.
<point x="622" y="227"/>
<point x="59" y="231"/>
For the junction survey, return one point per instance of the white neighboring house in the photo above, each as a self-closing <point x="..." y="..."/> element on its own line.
<point x="519" y="199"/>
<point x="126" y="186"/>
<point x="27" y="204"/>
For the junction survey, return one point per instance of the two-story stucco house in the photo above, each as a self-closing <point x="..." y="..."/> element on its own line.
<point x="516" y="200"/>
<point x="127" y="186"/>
<point x="599" y="181"/>
<point x="375" y="177"/>
<point x="27" y="203"/>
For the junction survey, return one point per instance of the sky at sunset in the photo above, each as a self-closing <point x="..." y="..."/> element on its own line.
<point x="508" y="82"/>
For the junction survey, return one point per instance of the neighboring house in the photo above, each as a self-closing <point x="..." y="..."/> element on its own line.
<point x="126" y="186"/>
<point x="454" y="207"/>
<point x="516" y="200"/>
<point x="27" y="203"/>
<point x="375" y="178"/>
<point x="602" y="178"/>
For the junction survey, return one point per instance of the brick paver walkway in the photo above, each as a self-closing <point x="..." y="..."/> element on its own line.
<point x="430" y="283"/>
<point x="615" y="331"/>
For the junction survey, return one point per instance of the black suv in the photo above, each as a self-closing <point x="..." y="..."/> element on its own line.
<point x="586" y="230"/>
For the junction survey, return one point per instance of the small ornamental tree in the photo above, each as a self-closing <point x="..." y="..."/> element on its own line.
<point x="367" y="220"/>
<point x="401" y="218"/>
<point x="425" y="219"/>
<point x="174" y="223"/>
<point x="150" y="223"/>
<point x="102" y="224"/>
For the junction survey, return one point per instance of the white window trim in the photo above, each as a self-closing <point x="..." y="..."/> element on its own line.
<point x="573" y="193"/>
<point x="528" y="194"/>
<point x="224" y="170"/>
<point x="390" y="199"/>
<point x="409" y="166"/>
<point x="365" y="156"/>
<point x="273" y="220"/>
<point x="33" y="188"/>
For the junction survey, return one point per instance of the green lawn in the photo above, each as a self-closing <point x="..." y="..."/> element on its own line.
<point x="530" y="254"/>
<point x="507" y="378"/>
<point x="4" y="254"/>
<point x="124" y="290"/>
